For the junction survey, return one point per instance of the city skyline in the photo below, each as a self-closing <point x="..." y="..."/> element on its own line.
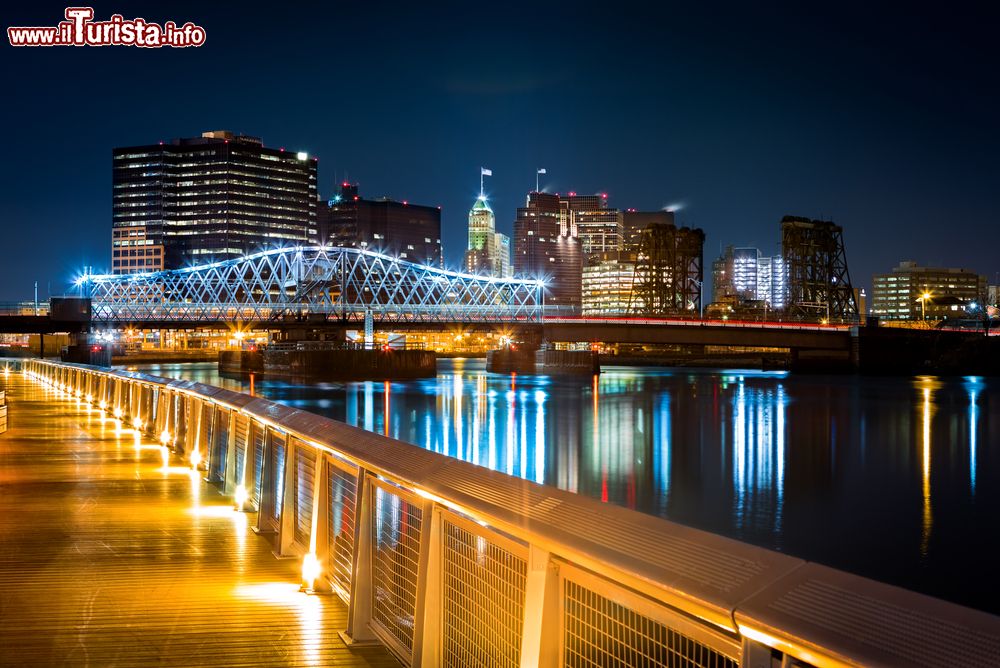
<point x="832" y="134"/>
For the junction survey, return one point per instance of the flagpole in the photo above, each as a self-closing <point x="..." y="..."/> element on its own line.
<point x="536" y="178"/>
<point x="481" y="174"/>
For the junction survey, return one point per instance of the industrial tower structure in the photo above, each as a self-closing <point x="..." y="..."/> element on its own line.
<point x="668" y="271"/>
<point x="819" y="285"/>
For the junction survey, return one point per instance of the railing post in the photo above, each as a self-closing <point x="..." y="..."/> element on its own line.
<point x="229" y="481"/>
<point x="755" y="655"/>
<point x="319" y="532"/>
<point x="286" y="523"/>
<point x="429" y="603"/>
<point x="359" y="612"/>
<point x="542" y="635"/>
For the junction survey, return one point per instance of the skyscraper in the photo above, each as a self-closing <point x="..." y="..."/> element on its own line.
<point x="546" y="247"/>
<point x="411" y="231"/>
<point x="208" y="198"/>
<point x="489" y="250"/>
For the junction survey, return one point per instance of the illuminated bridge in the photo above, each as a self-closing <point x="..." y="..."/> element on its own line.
<point x="124" y="519"/>
<point x="317" y="283"/>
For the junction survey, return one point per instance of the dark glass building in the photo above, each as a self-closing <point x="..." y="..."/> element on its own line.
<point x="208" y="198"/>
<point x="411" y="231"/>
<point x="546" y="247"/>
<point x="634" y="222"/>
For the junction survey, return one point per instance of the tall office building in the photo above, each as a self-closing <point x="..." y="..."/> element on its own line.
<point x="208" y="198"/>
<point x="411" y="231"/>
<point x="489" y="250"/>
<point x="546" y="246"/>
<point x="600" y="231"/>
<point x="900" y="294"/>
<point x="588" y="218"/>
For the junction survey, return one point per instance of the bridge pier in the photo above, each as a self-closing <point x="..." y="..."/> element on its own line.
<point x="547" y="361"/>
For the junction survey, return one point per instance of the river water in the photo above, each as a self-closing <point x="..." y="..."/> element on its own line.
<point x="891" y="478"/>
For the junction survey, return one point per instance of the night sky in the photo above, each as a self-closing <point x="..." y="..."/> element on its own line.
<point x="883" y="121"/>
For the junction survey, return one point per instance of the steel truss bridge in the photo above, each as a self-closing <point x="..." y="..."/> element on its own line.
<point x="318" y="283"/>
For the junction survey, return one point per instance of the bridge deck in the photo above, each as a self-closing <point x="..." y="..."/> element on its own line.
<point x="108" y="559"/>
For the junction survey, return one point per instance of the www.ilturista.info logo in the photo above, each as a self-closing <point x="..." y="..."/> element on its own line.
<point x="79" y="29"/>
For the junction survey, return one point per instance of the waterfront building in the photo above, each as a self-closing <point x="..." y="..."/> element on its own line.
<point x="410" y="231"/>
<point x="488" y="251"/>
<point x="208" y="198"/>
<point x="546" y="247"/>
<point x="607" y="285"/>
<point x="913" y="292"/>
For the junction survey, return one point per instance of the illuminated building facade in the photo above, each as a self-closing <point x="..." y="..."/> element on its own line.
<point x="489" y="250"/>
<point x="899" y="295"/>
<point x="409" y="231"/>
<point x="607" y="285"/>
<point x="599" y="231"/>
<point x="742" y="276"/>
<point x="546" y="247"/>
<point x="208" y="198"/>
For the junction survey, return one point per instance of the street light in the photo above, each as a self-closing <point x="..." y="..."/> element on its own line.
<point x="923" y="305"/>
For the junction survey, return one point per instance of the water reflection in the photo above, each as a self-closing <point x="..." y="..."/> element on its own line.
<point x="974" y="384"/>
<point x="759" y="454"/>
<point x="892" y="478"/>
<point x="928" y="519"/>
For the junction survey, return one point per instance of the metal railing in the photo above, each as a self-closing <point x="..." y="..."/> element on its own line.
<point x="450" y="564"/>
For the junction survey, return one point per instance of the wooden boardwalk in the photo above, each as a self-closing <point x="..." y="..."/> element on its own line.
<point x="109" y="559"/>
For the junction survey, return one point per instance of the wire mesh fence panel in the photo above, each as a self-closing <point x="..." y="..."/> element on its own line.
<point x="305" y="471"/>
<point x="343" y="497"/>
<point x="257" y="439"/>
<point x="276" y="477"/>
<point x="601" y="633"/>
<point x="396" y="527"/>
<point x="240" y="437"/>
<point x="483" y="599"/>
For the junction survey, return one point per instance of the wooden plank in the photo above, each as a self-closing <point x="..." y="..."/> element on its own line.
<point x="107" y="559"/>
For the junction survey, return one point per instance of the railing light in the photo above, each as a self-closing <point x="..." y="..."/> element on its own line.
<point x="118" y="413"/>
<point x="164" y="437"/>
<point x="240" y="496"/>
<point x="195" y="458"/>
<point x="103" y="405"/>
<point x="310" y="572"/>
<point x="137" y="423"/>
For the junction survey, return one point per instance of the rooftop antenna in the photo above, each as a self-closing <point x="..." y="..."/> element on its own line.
<point x="483" y="172"/>
<point x="540" y="170"/>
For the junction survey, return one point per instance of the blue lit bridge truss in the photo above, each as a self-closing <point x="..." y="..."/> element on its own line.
<point x="315" y="282"/>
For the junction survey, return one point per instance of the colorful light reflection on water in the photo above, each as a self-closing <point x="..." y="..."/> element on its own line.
<point x="894" y="478"/>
